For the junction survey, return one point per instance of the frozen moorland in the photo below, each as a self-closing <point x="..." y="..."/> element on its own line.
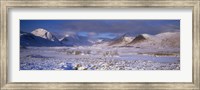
<point x="98" y="58"/>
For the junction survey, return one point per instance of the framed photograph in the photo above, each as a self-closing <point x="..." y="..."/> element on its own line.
<point x="100" y="44"/>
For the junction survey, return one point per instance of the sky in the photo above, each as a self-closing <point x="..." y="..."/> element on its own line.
<point x="101" y="28"/>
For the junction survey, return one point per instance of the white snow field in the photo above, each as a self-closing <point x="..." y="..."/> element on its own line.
<point x="98" y="58"/>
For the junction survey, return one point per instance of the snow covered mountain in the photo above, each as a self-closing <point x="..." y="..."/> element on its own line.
<point x="162" y="40"/>
<point x="41" y="37"/>
<point x="29" y="39"/>
<point x="169" y="39"/>
<point x="123" y="40"/>
<point x="74" y="40"/>
<point x="141" y="38"/>
<point x="44" y="34"/>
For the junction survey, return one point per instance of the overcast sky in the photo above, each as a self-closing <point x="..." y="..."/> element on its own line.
<point x="102" y="28"/>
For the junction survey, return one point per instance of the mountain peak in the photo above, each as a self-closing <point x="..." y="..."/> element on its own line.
<point x="123" y="40"/>
<point x="145" y="35"/>
<point x="139" y="38"/>
<point x="39" y="30"/>
<point x="43" y="33"/>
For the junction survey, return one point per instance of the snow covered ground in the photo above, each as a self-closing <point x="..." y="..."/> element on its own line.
<point x="98" y="58"/>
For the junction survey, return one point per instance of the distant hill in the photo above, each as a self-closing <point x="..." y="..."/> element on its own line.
<point x="74" y="40"/>
<point x="162" y="40"/>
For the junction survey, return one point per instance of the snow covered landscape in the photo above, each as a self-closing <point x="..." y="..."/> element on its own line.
<point x="41" y="49"/>
<point x="92" y="58"/>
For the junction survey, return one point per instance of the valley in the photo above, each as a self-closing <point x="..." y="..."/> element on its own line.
<point x="41" y="50"/>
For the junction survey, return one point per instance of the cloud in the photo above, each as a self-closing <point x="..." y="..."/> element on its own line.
<point x="92" y="33"/>
<point x="97" y="27"/>
<point x="121" y="26"/>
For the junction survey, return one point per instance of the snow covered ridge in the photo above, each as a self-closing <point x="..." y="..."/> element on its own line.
<point x="42" y="37"/>
<point x="123" y="40"/>
<point x="162" y="40"/>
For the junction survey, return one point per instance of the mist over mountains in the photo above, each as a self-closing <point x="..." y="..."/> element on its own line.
<point x="41" y="37"/>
